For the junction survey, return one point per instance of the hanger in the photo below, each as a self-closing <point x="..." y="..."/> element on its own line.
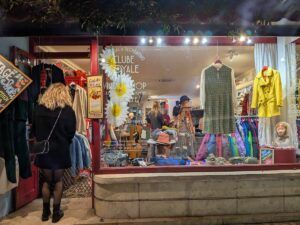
<point x="218" y="62"/>
<point x="72" y="84"/>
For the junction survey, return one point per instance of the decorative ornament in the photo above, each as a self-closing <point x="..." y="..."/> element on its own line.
<point x="116" y="112"/>
<point x="122" y="89"/>
<point x="108" y="63"/>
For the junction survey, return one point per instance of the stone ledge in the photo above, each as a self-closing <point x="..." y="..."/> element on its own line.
<point x="197" y="194"/>
<point x="207" y="220"/>
<point x="171" y="177"/>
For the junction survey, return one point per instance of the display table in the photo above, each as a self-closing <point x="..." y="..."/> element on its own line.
<point x="214" y="197"/>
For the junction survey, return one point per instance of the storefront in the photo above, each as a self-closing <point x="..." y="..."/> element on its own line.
<point x="227" y="162"/>
<point x="244" y="171"/>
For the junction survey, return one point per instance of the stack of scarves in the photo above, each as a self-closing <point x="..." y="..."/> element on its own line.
<point x="243" y="143"/>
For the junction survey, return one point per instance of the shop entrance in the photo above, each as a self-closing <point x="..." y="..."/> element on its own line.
<point x="44" y="70"/>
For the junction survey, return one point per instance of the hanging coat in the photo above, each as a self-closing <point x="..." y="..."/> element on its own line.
<point x="267" y="93"/>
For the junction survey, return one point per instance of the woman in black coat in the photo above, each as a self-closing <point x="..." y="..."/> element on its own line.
<point x="55" y="99"/>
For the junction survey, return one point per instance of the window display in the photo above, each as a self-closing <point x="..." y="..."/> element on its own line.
<point x="234" y="110"/>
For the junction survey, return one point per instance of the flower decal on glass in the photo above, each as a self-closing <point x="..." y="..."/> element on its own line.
<point x="116" y="112"/>
<point x="122" y="89"/>
<point x="108" y="63"/>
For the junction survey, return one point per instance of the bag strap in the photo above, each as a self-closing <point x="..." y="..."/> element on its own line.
<point x="54" y="125"/>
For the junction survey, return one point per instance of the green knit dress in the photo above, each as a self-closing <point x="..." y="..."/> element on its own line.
<point x="218" y="110"/>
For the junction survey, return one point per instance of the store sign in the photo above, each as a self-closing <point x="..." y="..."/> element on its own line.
<point x="128" y="59"/>
<point x="12" y="82"/>
<point x="266" y="156"/>
<point x="95" y="97"/>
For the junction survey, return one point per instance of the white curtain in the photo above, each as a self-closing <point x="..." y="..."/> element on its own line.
<point x="289" y="110"/>
<point x="266" y="55"/>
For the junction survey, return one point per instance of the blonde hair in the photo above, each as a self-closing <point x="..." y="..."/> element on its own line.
<point x="155" y="108"/>
<point x="56" y="96"/>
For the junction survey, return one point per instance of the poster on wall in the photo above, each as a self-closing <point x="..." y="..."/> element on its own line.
<point x="95" y="97"/>
<point x="12" y="82"/>
<point x="266" y="156"/>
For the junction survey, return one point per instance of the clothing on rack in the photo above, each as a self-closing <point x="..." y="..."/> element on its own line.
<point x="5" y="184"/>
<point x="245" y="105"/>
<point x="13" y="140"/>
<point x="298" y="130"/>
<point x="20" y="134"/>
<point x="218" y="99"/>
<point x="53" y="75"/>
<point x="80" y="108"/>
<point x="80" y="154"/>
<point x="267" y="93"/>
<point x="243" y="142"/>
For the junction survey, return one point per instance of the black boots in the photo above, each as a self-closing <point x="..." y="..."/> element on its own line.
<point x="57" y="213"/>
<point x="46" y="211"/>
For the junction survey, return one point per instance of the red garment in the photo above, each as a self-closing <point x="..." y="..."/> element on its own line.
<point x="166" y="119"/>
<point x="245" y="105"/>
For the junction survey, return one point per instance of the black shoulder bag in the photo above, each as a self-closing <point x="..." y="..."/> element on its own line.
<point x="43" y="147"/>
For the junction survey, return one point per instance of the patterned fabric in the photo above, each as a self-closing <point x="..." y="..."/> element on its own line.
<point x="242" y="143"/>
<point x="202" y="151"/>
<point x="218" y="110"/>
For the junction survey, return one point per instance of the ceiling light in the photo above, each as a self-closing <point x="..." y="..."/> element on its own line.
<point x="150" y="40"/>
<point x="187" y="40"/>
<point x="242" y="38"/>
<point x="198" y="86"/>
<point x="143" y="40"/>
<point x="249" y="41"/>
<point x="159" y="40"/>
<point x="204" y="40"/>
<point x="195" y="40"/>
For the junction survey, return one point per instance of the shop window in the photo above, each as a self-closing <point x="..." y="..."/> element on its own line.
<point x="197" y="109"/>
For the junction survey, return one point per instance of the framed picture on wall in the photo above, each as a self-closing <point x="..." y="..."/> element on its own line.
<point x="266" y="156"/>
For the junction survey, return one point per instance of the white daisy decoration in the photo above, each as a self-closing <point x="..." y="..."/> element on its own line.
<point x="122" y="89"/>
<point x="116" y="112"/>
<point x="108" y="63"/>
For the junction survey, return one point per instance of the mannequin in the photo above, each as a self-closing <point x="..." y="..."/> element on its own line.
<point x="282" y="135"/>
<point x="186" y="135"/>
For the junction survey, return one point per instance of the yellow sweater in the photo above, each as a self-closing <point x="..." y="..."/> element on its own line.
<point x="267" y="93"/>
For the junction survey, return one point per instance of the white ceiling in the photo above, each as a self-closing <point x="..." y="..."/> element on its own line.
<point x="182" y="65"/>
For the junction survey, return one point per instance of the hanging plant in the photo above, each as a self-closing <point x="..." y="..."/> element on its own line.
<point x="116" y="112"/>
<point x="122" y="89"/>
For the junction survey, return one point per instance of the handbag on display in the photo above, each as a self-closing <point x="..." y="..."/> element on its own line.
<point x="43" y="147"/>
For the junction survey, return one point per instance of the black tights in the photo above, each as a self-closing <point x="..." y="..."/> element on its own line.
<point x="52" y="177"/>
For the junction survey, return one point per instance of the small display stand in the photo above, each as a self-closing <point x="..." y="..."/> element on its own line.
<point x="279" y="155"/>
<point x="285" y="155"/>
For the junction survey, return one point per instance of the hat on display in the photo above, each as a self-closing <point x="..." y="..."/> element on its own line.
<point x="164" y="138"/>
<point x="184" y="98"/>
